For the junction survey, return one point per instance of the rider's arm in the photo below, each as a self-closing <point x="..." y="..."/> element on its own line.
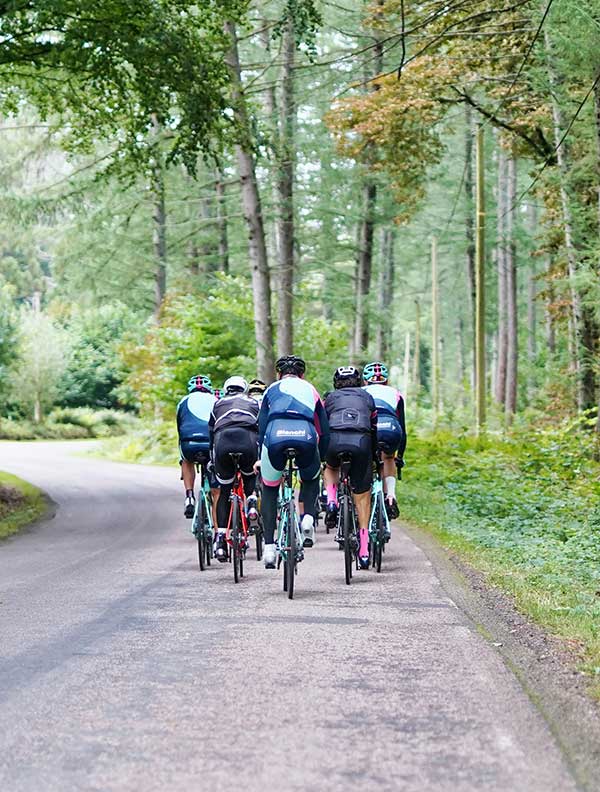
<point x="322" y="427"/>
<point x="401" y="421"/>
<point x="263" y="417"/>
<point x="373" y="428"/>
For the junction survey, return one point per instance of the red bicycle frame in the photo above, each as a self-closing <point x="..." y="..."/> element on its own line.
<point x="237" y="492"/>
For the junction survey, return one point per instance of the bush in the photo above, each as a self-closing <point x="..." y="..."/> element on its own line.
<point x="69" y="424"/>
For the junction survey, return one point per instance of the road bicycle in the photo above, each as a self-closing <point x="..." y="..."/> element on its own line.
<point x="237" y="525"/>
<point x="379" y="525"/>
<point x="202" y="523"/>
<point x="347" y="523"/>
<point x="289" y="537"/>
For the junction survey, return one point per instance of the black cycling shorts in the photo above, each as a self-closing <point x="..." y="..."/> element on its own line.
<point x="389" y="433"/>
<point x="194" y="451"/>
<point x="198" y="453"/>
<point x="236" y="440"/>
<point x="361" y="467"/>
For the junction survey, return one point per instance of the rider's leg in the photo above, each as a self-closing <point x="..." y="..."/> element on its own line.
<point x="389" y="475"/>
<point x="331" y="476"/>
<point x="188" y="472"/>
<point x="271" y="477"/>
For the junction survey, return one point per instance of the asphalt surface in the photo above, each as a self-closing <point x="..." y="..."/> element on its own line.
<point x="122" y="667"/>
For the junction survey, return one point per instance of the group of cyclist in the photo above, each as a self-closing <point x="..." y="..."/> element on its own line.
<point x="259" y="424"/>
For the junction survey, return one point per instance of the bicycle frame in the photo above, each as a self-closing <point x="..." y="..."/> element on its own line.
<point x="204" y="495"/>
<point x="284" y="545"/>
<point x="237" y="493"/>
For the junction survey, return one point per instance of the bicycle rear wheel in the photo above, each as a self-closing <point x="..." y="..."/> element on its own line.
<point x="379" y="538"/>
<point x="199" y="530"/>
<point x="346" y="533"/>
<point x="235" y="536"/>
<point x="259" y="542"/>
<point x="291" y="553"/>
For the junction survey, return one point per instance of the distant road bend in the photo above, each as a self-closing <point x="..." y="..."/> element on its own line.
<point x="123" y="668"/>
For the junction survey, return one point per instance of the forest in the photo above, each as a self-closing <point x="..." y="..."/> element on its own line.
<point x="201" y="187"/>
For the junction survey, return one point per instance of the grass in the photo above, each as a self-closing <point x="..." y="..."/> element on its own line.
<point x="20" y="504"/>
<point x="525" y="510"/>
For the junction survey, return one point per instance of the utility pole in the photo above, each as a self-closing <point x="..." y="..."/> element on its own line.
<point x="480" y="288"/>
<point x="417" y="357"/>
<point x="406" y="365"/>
<point x="435" y="333"/>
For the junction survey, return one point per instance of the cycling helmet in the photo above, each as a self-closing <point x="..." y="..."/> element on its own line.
<point x="257" y="386"/>
<point x="347" y="377"/>
<point x="375" y="372"/>
<point x="235" y="384"/>
<point x="199" y="382"/>
<point x="290" y="364"/>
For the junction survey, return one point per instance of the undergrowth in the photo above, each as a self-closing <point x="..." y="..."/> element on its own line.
<point x="525" y="508"/>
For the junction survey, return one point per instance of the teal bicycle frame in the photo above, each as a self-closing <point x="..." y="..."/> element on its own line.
<point x="378" y="528"/>
<point x="289" y="543"/>
<point x="204" y="499"/>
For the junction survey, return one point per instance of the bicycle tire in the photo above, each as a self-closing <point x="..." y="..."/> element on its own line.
<point x="378" y="536"/>
<point x="235" y="537"/>
<point x="291" y="554"/>
<point x="199" y="527"/>
<point x="258" y="537"/>
<point x="346" y="535"/>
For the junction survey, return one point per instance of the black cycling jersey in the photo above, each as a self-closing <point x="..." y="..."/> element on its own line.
<point x="236" y="410"/>
<point x="351" y="410"/>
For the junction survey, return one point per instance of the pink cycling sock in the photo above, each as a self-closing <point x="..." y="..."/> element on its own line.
<point x="332" y="494"/>
<point x="364" y="543"/>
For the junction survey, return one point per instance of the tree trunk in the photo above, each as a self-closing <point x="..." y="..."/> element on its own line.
<point x="532" y="293"/>
<point x="257" y="250"/>
<point x="222" y="222"/>
<point x="435" y="334"/>
<point x="501" y="262"/>
<point x="159" y="224"/>
<point x="386" y="293"/>
<point x="364" y="267"/>
<point x="366" y="231"/>
<point x="159" y="239"/>
<point x="550" y="329"/>
<point x="285" y="193"/>
<point x="564" y="167"/>
<point x="512" y="353"/>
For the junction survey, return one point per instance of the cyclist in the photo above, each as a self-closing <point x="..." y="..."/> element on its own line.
<point x="391" y="428"/>
<point x="256" y="389"/>
<point x="291" y="416"/>
<point x="233" y="427"/>
<point x="353" y="425"/>
<point x="193" y="412"/>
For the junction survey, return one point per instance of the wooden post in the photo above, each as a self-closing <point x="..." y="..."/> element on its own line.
<point x="480" y="288"/>
<point x="435" y="333"/>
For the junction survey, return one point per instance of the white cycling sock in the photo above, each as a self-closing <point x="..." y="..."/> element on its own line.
<point x="390" y="486"/>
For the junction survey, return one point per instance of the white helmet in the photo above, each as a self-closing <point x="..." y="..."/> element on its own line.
<point x="235" y="385"/>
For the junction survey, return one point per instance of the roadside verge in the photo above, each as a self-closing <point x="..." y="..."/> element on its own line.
<point x="20" y="504"/>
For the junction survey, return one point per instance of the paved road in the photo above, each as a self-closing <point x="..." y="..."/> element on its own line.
<point x="122" y="667"/>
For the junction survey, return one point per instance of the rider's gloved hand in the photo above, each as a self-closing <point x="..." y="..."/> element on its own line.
<point x="399" y="465"/>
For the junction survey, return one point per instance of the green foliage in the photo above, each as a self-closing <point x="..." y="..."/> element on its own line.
<point x="20" y="504"/>
<point x="39" y="363"/>
<point x="210" y="332"/>
<point x="525" y="507"/>
<point x="95" y="370"/>
<point x="142" y="60"/>
<point x="69" y="424"/>
<point x="8" y="330"/>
